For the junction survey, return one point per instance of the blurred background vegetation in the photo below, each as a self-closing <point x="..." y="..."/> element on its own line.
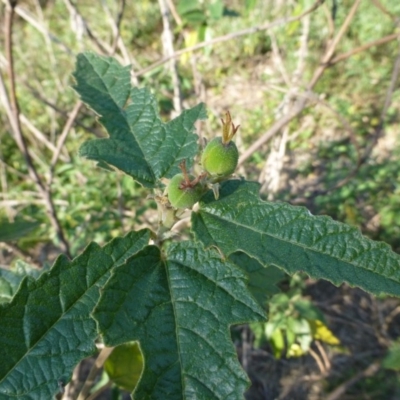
<point x="335" y="68"/>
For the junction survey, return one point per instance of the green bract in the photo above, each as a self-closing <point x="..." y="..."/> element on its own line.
<point x="183" y="197"/>
<point x="220" y="159"/>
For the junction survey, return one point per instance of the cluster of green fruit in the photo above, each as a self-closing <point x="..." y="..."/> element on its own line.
<point x="219" y="160"/>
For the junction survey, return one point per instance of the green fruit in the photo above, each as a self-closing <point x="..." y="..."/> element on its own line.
<point x="181" y="194"/>
<point x="220" y="159"/>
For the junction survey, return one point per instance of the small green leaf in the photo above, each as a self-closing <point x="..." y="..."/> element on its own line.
<point x="307" y="310"/>
<point x="140" y="144"/>
<point x="9" y="282"/>
<point x="179" y="306"/>
<point x="392" y="359"/>
<point x="11" y="279"/>
<point x="10" y="231"/>
<point x="292" y="239"/>
<point x="47" y="329"/>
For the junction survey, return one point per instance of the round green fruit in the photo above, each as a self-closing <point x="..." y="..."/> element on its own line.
<point x="220" y="159"/>
<point x="181" y="194"/>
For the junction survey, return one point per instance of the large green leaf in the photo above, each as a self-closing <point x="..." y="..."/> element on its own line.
<point x="140" y="144"/>
<point x="292" y="239"/>
<point x="179" y="306"/>
<point x="262" y="280"/>
<point x="46" y="329"/>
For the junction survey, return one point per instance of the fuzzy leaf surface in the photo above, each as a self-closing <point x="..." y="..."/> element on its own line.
<point x="262" y="281"/>
<point x="139" y="143"/>
<point x="179" y="306"/>
<point x="47" y="329"/>
<point x="292" y="239"/>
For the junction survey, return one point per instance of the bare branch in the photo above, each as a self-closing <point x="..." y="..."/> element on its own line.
<point x="302" y="102"/>
<point x="331" y="50"/>
<point x="100" y="360"/>
<point x="168" y="45"/>
<point x="19" y="138"/>
<point x="39" y="135"/>
<point x="30" y="19"/>
<point x="365" y="46"/>
<point x="230" y="36"/>
<point x="341" y="390"/>
<point x="79" y="20"/>
<point x="64" y="134"/>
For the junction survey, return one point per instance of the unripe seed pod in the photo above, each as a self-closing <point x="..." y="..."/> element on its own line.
<point x="220" y="159"/>
<point x="183" y="197"/>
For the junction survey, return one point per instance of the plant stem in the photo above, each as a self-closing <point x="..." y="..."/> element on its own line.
<point x="98" y="364"/>
<point x="19" y="137"/>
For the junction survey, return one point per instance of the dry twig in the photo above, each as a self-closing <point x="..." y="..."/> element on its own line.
<point x="230" y="36"/>
<point x="42" y="29"/>
<point x="168" y="45"/>
<point x="19" y="137"/>
<point x="302" y="102"/>
<point x="61" y="140"/>
<point x="341" y="390"/>
<point x="98" y="364"/>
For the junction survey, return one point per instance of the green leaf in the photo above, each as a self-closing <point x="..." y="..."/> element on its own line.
<point x="292" y="239"/>
<point x="11" y="279"/>
<point x="124" y="365"/>
<point x="9" y="282"/>
<point x="179" y="306"/>
<point x="46" y="329"/>
<point x="392" y="358"/>
<point x="262" y="280"/>
<point x="10" y="231"/>
<point x="185" y="6"/>
<point x="307" y="310"/>
<point x="216" y="9"/>
<point x="140" y="144"/>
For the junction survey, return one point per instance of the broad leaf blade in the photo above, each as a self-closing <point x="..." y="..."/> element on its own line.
<point x="179" y="307"/>
<point x="46" y="329"/>
<point x="292" y="239"/>
<point x="140" y="144"/>
<point x="262" y="280"/>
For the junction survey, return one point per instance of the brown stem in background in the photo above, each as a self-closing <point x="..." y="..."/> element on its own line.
<point x="42" y="29"/>
<point x="365" y="46"/>
<point x="338" y="393"/>
<point x="378" y="131"/>
<point x="302" y="102"/>
<point x="19" y="137"/>
<point x="61" y="140"/>
<point x="117" y="33"/>
<point x="168" y="46"/>
<point x="331" y="50"/>
<point x="230" y="36"/>
<point x="98" y="364"/>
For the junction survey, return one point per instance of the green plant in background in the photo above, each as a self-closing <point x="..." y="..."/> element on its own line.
<point x="293" y="323"/>
<point x="176" y="298"/>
